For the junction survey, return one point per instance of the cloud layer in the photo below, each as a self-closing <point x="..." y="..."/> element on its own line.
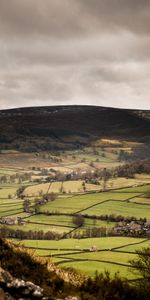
<point x="75" y="52"/>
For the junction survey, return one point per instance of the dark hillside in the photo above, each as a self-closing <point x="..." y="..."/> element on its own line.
<point x="69" y="127"/>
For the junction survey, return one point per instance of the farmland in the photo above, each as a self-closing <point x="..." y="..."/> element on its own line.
<point x="62" y="190"/>
<point x="112" y="254"/>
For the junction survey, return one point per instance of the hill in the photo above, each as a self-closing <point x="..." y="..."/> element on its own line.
<point x="69" y="127"/>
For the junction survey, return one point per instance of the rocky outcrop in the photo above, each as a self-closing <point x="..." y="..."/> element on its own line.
<point x="14" y="288"/>
<point x="17" y="289"/>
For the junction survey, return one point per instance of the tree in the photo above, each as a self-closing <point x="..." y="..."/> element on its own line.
<point x="106" y="176"/>
<point x="84" y="186"/>
<point x="78" y="220"/>
<point x="50" y="197"/>
<point x="26" y="205"/>
<point x="36" y="206"/>
<point x="20" y="191"/>
<point x="141" y="265"/>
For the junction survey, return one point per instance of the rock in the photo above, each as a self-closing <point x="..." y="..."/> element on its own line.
<point x="19" y="288"/>
<point x="16" y="283"/>
<point x="14" y="288"/>
<point x="72" y="298"/>
<point x="5" y="276"/>
<point x="38" y="293"/>
<point x="30" y="285"/>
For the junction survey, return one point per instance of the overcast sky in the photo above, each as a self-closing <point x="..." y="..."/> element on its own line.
<point x="55" y="52"/>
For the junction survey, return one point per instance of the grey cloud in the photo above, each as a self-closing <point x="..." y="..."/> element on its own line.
<point x="131" y="15"/>
<point x="73" y="17"/>
<point x="75" y="52"/>
<point x="38" y="17"/>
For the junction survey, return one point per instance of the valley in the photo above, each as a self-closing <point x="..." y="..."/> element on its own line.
<point x="85" y="207"/>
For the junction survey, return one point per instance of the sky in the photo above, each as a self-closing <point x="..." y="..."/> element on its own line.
<point x="62" y="52"/>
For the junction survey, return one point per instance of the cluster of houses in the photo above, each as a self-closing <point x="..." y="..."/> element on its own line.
<point x="135" y="228"/>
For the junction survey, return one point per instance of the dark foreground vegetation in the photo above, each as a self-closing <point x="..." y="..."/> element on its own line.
<point x="25" y="266"/>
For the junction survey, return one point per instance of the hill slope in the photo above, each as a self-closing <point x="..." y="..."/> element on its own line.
<point x="69" y="127"/>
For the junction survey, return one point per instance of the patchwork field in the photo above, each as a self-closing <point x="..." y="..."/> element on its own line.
<point x="79" y="186"/>
<point x="111" y="253"/>
<point x="125" y="197"/>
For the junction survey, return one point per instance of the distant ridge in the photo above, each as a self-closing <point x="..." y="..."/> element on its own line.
<point x="69" y="127"/>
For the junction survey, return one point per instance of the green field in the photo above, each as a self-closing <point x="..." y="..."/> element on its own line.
<point x="112" y="253"/>
<point x="59" y="224"/>
<point x="78" y="203"/>
<point x="124" y="209"/>
<point x="76" y="253"/>
<point x="83" y="244"/>
<point x="6" y="191"/>
<point x="141" y="200"/>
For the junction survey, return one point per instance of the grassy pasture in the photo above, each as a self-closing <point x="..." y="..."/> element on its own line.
<point x="6" y="191"/>
<point x="117" y="257"/>
<point x="3" y="208"/>
<point x="103" y="243"/>
<point x="117" y="202"/>
<point x="140" y="200"/>
<point x="122" y="182"/>
<point x="67" y="221"/>
<point x="135" y="189"/>
<point x="7" y="201"/>
<point x="7" y="172"/>
<point x="58" y="220"/>
<point x="68" y="253"/>
<point x="81" y="202"/>
<point x="58" y="187"/>
<point x="10" y="212"/>
<point x="5" y="204"/>
<point x="89" y="268"/>
<point x="77" y="187"/>
<point x="118" y="208"/>
<point x="133" y="248"/>
<point x="40" y="227"/>
<point x="54" y="253"/>
<point x="21" y="214"/>
<point x="143" y="177"/>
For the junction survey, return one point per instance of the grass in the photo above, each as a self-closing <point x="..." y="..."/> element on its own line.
<point x="101" y="243"/>
<point x="77" y="203"/>
<point x="6" y="191"/>
<point x="77" y="187"/>
<point x="60" y="223"/>
<point x="40" y="227"/>
<point x="117" y="257"/>
<point x="68" y="186"/>
<point x="136" y="189"/>
<point x="117" y="202"/>
<point x="10" y="212"/>
<point x="10" y="202"/>
<point x="133" y="248"/>
<point x="3" y="208"/>
<point x="140" y="200"/>
<point x="68" y="253"/>
<point x="91" y="268"/>
<point x="120" y="208"/>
